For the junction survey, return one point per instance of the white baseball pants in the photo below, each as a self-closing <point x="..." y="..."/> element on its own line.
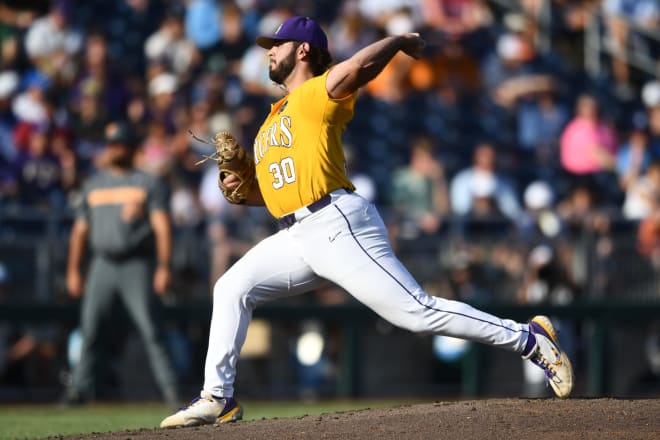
<point x="346" y="243"/>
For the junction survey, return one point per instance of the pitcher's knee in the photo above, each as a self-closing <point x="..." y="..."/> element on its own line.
<point x="233" y="291"/>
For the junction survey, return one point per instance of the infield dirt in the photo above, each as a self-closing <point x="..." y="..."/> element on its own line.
<point x="473" y="419"/>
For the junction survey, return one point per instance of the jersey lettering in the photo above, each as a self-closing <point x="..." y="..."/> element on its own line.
<point x="278" y="134"/>
<point x="286" y="138"/>
<point x="272" y="139"/>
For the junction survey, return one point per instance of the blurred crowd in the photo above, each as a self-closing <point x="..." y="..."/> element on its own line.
<point x="496" y="157"/>
<point x="498" y="124"/>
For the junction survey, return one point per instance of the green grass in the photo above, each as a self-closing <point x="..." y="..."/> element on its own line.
<point x="39" y="421"/>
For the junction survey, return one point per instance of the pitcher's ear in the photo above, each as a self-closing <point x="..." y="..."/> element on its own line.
<point x="304" y="49"/>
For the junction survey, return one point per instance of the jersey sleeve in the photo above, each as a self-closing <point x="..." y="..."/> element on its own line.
<point x="333" y="111"/>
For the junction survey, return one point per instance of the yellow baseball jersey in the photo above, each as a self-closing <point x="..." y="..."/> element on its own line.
<point x="298" y="151"/>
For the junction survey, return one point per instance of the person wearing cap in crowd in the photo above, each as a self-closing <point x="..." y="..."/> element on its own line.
<point x="481" y="179"/>
<point x="123" y="215"/>
<point x="328" y="232"/>
<point x="52" y="42"/>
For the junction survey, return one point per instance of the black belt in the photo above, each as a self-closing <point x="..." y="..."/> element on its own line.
<point x="288" y="220"/>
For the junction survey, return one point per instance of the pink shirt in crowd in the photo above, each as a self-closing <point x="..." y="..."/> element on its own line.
<point x="579" y="142"/>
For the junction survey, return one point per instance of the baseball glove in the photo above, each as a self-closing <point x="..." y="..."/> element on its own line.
<point x="231" y="159"/>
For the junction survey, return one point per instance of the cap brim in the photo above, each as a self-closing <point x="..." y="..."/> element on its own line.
<point x="268" y="42"/>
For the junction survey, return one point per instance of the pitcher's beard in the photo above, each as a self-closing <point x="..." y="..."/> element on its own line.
<point x="281" y="71"/>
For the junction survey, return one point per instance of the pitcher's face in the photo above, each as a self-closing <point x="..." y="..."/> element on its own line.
<point x="282" y="61"/>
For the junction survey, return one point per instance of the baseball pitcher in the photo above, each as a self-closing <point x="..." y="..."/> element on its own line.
<point x="327" y="231"/>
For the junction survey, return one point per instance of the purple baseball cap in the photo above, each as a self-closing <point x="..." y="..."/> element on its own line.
<point x="302" y="29"/>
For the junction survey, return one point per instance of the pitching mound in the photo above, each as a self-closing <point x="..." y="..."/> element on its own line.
<point x="476" y="419"/>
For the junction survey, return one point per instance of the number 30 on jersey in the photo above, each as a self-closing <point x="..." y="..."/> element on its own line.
<point x="283" y="172"/>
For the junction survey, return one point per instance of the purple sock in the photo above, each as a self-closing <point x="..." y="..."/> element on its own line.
<point x="529" y="346"/>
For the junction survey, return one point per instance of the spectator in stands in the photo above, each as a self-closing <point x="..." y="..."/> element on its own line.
<point x="31" y="106"/>
<point x="233" y="44"/>
<point x="570" y="20"/>
<point x="9" y="82"/>
<point x="156" y="154"/>
<point x="203" y="24"/>
<point x="200" y="123"/>
<point x="350" y="31"/>
<point x="450" y="65"/>
<point x="15" y="18"/>
<point x="8" y="85"/>
<point x="510" y="74"/>
<point x="541" y="120"/>
<point x="650" y="114"/>
<point x="455" y="19"/>
<point x="170" y="45"/>
<point x="583" y="215"/>
<point x="462" y="279"/>
<point x="654" y="130"/>
<point x="643" y="194"/>
<point x="184" y="171"/>
<point x="581" y="209"/>
<point x="61" y="145"/>
<point x="648" y="238"/>
<point x="539" y="220"/>
<point x="127" y="26"/>
<point x="633" y="157"/>
<point x="87" y="124"/>
<point x="163" y="103"/>
<point x="100" y="75"/>
<point x="482" y="179"/>
<point x="620" y="17"/>
<point x="39" y="172"/>
<point x="483" y="206"/>
<point x="189" y="268"/>
<point x="545" y="279"/>
<point x="52" y="42"/>
<point x="651" y="93"/>
<point x="419" y="191"/>
<point x="98" y="92"/>
<point x="588" y="145"/>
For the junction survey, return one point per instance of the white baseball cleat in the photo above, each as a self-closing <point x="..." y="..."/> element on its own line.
<point x="205" y="410"/>
<point x="548" y="355"/>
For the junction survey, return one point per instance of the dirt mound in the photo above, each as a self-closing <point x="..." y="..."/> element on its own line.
<point x="474" y="419"/>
